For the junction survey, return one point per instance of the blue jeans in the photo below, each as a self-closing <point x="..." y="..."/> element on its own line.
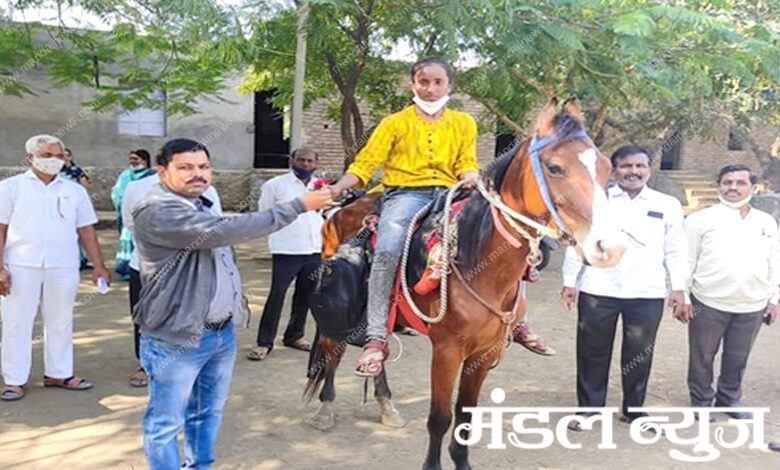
<point x="401" y="204"/>
<point x="188" y="388"/>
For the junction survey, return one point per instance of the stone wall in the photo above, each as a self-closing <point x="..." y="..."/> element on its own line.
<point x="662" y="183"/>
<point x="768" y="203"/>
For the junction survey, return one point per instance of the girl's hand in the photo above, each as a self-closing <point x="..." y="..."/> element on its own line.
<point x="470" y="178"/>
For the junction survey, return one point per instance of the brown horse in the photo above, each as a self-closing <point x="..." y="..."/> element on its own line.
<point x="563" y="188"/>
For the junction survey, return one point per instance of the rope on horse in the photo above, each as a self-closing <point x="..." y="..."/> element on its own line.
<point x="445" y="243"/>
<point x="495" y="200"/>
<point x="510" y="215"/>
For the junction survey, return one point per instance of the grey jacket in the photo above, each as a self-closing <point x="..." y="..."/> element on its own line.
<point x="174" y="240"/>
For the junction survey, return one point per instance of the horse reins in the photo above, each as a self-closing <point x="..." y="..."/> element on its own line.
<point x="512" y="218"/>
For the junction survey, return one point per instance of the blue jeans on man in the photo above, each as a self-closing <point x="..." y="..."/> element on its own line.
<point x="188" y="388"/>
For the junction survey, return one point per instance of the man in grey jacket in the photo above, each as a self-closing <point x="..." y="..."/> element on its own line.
<point x="191" y="292"/>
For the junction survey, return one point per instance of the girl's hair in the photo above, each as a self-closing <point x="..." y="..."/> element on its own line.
<point x="426" y="61"/>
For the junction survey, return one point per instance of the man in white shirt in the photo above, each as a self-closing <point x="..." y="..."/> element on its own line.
<point x="635" y="289"/>
<point x="43" y="217"/>
<point x="295" y="252"/>
<point x="735" y="267"/>
<point x="136" y="192"/>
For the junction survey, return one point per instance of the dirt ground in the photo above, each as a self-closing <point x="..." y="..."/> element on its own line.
<point x="264" y="425"/>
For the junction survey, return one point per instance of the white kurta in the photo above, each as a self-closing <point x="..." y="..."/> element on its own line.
<point x="42" y="254"/>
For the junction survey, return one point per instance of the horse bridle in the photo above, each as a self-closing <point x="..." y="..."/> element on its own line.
<point x="536" y="165"/>
<point x="510" y="215"/>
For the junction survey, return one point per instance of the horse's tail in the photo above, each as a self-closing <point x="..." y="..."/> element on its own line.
<point x="324" y="358"/>
<point x="330" y="238"/>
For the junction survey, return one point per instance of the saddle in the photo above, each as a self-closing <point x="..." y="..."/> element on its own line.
<point x="340" y="296"/>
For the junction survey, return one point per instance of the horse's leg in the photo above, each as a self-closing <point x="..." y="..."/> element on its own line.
<point x="475" y="370"/>
<point x="389" y="415"/>
<point x="329" y="356"/>
<point x="444" y="370"/>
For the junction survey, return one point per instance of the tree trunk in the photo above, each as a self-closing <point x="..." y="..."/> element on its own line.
<point x="347" y="139"/>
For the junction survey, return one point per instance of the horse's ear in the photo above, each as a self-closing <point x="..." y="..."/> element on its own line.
<point x="572" y="107"/>
<point x="545" y="123"/>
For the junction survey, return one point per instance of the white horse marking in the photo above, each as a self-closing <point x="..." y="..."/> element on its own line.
<point x="588" y="158"/>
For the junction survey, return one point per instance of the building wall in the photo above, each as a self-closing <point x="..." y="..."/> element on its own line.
<point x="324" y="135"/>
<point x="93" y="136"/>
<point x="226" y="128"/>
<point x="709" y="156"/>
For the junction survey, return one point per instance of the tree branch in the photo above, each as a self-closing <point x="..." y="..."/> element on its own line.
<point x="334" y="74"/>
<point x="430" y="43"/>
<point x="512" y="125"/>
<point x="547" y="92"/>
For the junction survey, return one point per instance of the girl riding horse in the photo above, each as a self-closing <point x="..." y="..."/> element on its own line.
<point x="425" y="148"/>
<point x="553" y="185"/>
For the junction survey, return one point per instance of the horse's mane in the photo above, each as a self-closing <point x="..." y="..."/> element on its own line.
<point x="476" y="220"/>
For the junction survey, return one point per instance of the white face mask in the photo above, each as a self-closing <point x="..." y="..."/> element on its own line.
<point x="140" y="166"/>
<point x="735" y="205"/>
<point x="50" y="166"/>
<point x="430" y="107"/>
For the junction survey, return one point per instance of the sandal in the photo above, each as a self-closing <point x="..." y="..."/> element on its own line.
<point x="258" y="353"/>
<point x="12" y="392"/>
<point x="299" y="344"/>
<point x="71" y="383"/>
<point x="531" y="340"/>
<point x="139" y="379"/>
<point x="371" y="361"/>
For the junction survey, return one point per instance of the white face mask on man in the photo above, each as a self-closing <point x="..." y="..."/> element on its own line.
<point x="430" y="107"/>
<point x="50" y="166"/>
<point x="737" y="204"/>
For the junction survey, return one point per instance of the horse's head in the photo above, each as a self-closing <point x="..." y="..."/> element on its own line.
<point x="571" y="175"/>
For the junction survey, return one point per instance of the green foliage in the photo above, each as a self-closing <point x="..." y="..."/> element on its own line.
<point x="180" y="47"/>
<point x="638" y="66"/>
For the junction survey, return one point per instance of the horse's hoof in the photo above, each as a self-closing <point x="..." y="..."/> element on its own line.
<point x="323" y="422"/>
<point x="392" y="419"/>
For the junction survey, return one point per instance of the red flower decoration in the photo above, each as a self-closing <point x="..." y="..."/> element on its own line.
<point x="321" y="183"/>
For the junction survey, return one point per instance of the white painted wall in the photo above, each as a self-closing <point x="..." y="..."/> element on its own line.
<point x="227" y="127"/>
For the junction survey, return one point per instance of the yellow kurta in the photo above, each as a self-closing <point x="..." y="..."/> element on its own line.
<point x="418" y="153"/>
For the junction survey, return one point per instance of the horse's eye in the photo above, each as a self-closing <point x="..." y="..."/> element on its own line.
<point x="556" y="170"/>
